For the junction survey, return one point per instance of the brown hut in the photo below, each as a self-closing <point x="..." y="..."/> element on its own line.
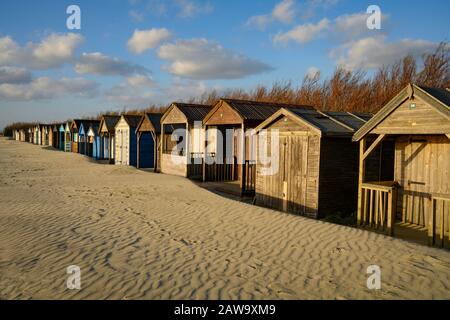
<point x="74" y="130"/>
<point x="182" y="151"/>
<point x="229" y="140"/>
<point x="313" y="163"/>
<point x="418" y="196"/>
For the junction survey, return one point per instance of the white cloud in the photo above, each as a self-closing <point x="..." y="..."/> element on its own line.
<point x="46" y="88"/>
<point x="14" y="75"/>
<point x="352" y="26"/>
<point x="374" y="52"/>
<point x="200" y="59"/>
<point x="97" y="63"/>
<point x="302" y="33"/>
<point x="139" y="81"/>
<point x="143" y="40"/>
<point x="283" y="12"/>
<point x="191" y="8"/>
<point x="51" y="52"/>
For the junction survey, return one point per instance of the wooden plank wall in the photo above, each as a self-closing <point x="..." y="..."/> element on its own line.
<point x="422" y="165"/>
<point x="294" y="187"/>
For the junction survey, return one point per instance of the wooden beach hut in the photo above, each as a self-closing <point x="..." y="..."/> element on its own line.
<point x="417" y="120"/>
<point x="229" y="141"/>
<point x="94" y="141"/>
<point x="126" y="140"/>
<point x="312" y="163"/>
<point x="37" y="134"/>
<point x="67" y="137"/>
<point x="30" y="135"/>
<point x="107" y="132"/>
<point x="182" y="150"/>
<point x="149" y="141"/>
<point x="74" y="130"/>
<point x="85" y="145"/>
<point x="55" y="137"/>
<point x="61" y="136"/>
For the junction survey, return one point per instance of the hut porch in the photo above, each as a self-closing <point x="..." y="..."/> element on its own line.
<point x="415" y="204"/>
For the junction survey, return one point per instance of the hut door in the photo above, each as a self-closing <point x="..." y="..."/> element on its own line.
<point x="293" y="173"/>
<point x="415" y="188"/>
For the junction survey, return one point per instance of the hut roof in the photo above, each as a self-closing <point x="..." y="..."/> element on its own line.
<point x="193" y="112"/>
<point x="132" y="120"/>
<point x="323" y="123"/>
<point x="256" y="110"/>
<point x="155" y="121"/>
<point x="439" y="99"/>
<point x="110" y="121"/>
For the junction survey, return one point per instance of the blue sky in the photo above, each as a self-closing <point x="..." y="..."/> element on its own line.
<point x="184" y="47"/>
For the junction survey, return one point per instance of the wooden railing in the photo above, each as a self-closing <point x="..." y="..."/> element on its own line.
<point x="378" y="206"/>
<point x="440" y="210"/>
<point x="224" y="170"/>
<point x="249" y="176"/>
<point x="195" y="166"/>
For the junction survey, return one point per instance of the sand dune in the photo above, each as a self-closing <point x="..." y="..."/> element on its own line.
<point x="140" y="235"/>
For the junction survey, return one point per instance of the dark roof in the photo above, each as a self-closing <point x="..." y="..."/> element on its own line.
<point x="132" y="120"/>
<point x="110" y="121"/>
<point x="443" y="95"/>
<point x="324" y="122"/>
<point x="352" y="119"/>
<point x="193" y="112"/>
<point x="77" y="122"/>
<point x="254" y="110"/>
<point x="155" y="119"/>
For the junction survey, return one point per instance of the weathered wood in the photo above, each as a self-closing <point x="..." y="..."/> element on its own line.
<point x="361" y="198"/>
<point x="373" y="145"/>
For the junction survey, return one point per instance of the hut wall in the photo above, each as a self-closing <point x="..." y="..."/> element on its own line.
<point x="422" y="165"/>
<point x="414" y="117"/>
<point x="122" y="143"/>
<point x="294" y="186"/>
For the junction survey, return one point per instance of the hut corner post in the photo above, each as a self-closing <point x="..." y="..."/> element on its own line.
<point x="362" y="147"/>
<point x="138" y="150"/>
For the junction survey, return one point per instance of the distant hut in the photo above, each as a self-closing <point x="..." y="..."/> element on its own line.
<point x="149" y="141"/>
<point x="313" y="168"/>
<point x="30" y="135"/>
<point x="182" y="151"/>
<point x="94" y="141"/>
<point x="67" y="137"/>
<point x="107" y="131"/>
<point x="55" y="136"/>
<point x="74" y="130"/>
<point x="126" y="141"/>
<point x="37" y="134"/>
<point x="418" y="196"/>
<point x="232" y="157"/>
<point x="61" y="136"/>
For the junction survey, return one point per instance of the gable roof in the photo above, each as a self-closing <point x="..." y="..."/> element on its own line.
<point x="132" y="120"/>
<point x="192" y="112"/>
<point x="85" y="124"/>
<point x="93" y="126"/>
<point x="252" y="110"/>
<point x="437" y="98"/>
<point x="76" y="122"/>
<point x="341" y="124"/>
<point x="109" y="121"/>
<point x="155" y="121"/>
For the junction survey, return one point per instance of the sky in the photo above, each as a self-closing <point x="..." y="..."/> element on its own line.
<point x="135" y="53"/>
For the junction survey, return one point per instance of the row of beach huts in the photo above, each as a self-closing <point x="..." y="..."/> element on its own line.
<point x="392" y="168"/>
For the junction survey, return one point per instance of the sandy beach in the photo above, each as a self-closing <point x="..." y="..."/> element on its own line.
<point x="141" y="235"/>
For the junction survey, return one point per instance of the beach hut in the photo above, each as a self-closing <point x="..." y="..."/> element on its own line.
<point x="37" y="134"/>
<point x="55" y="136"/>
<point x="74" y="131"/>
<point x="149" y="141"/>
<point x="67" y="137"/>
<point x="30" y="135"/>
<point x="229" y="141"/>
<point x="61" y="136"/>
<point x="106" y="132"/>
<point x="182" y="151"/>
<point x="307" y="163"/>
<point x="418" y="196"/>
<point x="94" y="141"/>
<point x="125" y="140"/>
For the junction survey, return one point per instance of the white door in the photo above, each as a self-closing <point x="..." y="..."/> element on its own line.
<point x="125" y="142"/>
<point x="119" y="147"/>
